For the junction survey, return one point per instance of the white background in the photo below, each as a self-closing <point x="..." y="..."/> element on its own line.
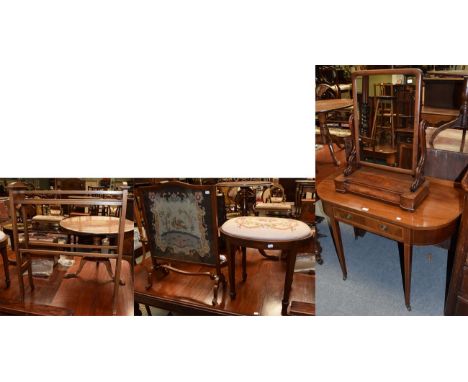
<point x="203" y="88"/>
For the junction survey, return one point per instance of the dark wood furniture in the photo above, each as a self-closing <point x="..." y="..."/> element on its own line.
<point x="322" y="107"/>
<point x="405" y="187"/>
<point x="181" y="226"/>
<point x="4" y="254"/>
<point x="288" y="235"/>
<point x="435" y="220"/>
<point x="20" y="200"/>
<point x="457" y="296"/>
<point x="261" y="296"/>
<point x="242" y="197"/>
<point x="461" y="121"/>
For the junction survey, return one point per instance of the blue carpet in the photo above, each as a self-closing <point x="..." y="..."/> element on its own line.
<point x="374" y="285"/>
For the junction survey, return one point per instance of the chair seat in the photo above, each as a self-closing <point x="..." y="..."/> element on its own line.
<point x="337" y="132"/>
<point x="48" y="218"/>
<point x="266" y="228"/>
<point x="273" y="206"/>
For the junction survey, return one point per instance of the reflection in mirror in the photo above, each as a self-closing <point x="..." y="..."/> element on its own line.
<point x="386" y="104"/>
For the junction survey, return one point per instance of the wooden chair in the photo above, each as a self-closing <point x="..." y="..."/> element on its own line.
<point x="20" y="200"/>
<point x="337" y="121"/>
<point x="273" y="202"/>
<point x="181" y="226"/>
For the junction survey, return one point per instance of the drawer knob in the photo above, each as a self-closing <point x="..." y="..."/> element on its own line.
<point x="383" y="227"/>
<point x="349" y="216"/>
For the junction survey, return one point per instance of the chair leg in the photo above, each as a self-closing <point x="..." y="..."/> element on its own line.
<point x="148" y="310"/>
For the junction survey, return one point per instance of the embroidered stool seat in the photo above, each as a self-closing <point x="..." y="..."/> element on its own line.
<point x="3" y="251"/>
<point x="266" y="228"/>
<point x="288" y="235"/>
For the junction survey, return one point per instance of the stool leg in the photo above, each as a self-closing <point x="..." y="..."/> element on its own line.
<point x="291" y="262"/>
<point x="231" y="254"/>
<point x="244" y="263"/>
<point x="5" y="266"/>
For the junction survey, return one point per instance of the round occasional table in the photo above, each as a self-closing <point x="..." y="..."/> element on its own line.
<point x="3" y="251"/>
<point x="8" y="229"/>
<point x="98" y="227"/>
<point x="322" y="108"/>
<point x="288" y="235"/>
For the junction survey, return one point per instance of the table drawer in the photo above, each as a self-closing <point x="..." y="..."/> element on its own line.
<point x="381" y="228"/>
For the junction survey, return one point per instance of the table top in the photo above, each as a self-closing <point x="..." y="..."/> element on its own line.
<point x="244" y="183"/>
<point x="95" y="225"/>
<point x="325" y="105"/>
<point x="449" y="73"/>
<point x="441" y="207"/>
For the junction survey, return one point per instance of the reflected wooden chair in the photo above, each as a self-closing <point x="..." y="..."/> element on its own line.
<point x="181" y="227"/>
<point x="337" y="121"/>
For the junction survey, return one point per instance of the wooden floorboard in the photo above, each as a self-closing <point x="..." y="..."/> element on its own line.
<point x="260" y="294"/>
<point x="88" y="295"/>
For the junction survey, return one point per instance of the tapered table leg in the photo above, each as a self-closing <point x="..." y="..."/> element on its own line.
<point x="407" y="259"/>
<point x="336" y="233"/>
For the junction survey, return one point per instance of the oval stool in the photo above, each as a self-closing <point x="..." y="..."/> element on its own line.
<point x="3" y="251"/>
<point x="262" y="233"/>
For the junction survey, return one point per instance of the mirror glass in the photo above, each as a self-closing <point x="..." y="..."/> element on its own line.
<point x="386" y="107"/>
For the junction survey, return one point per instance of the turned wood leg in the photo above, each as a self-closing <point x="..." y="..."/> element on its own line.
<point x="290" y="263"/>
<point x="80" y="268"/>
<point x="326" y="138"/>
<point x="149" y="273"/>
<point x="407" y="260"/>
<point x="336" y="234"/>
<point x="5" y="266"/>
<point x="231" y="254"/>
